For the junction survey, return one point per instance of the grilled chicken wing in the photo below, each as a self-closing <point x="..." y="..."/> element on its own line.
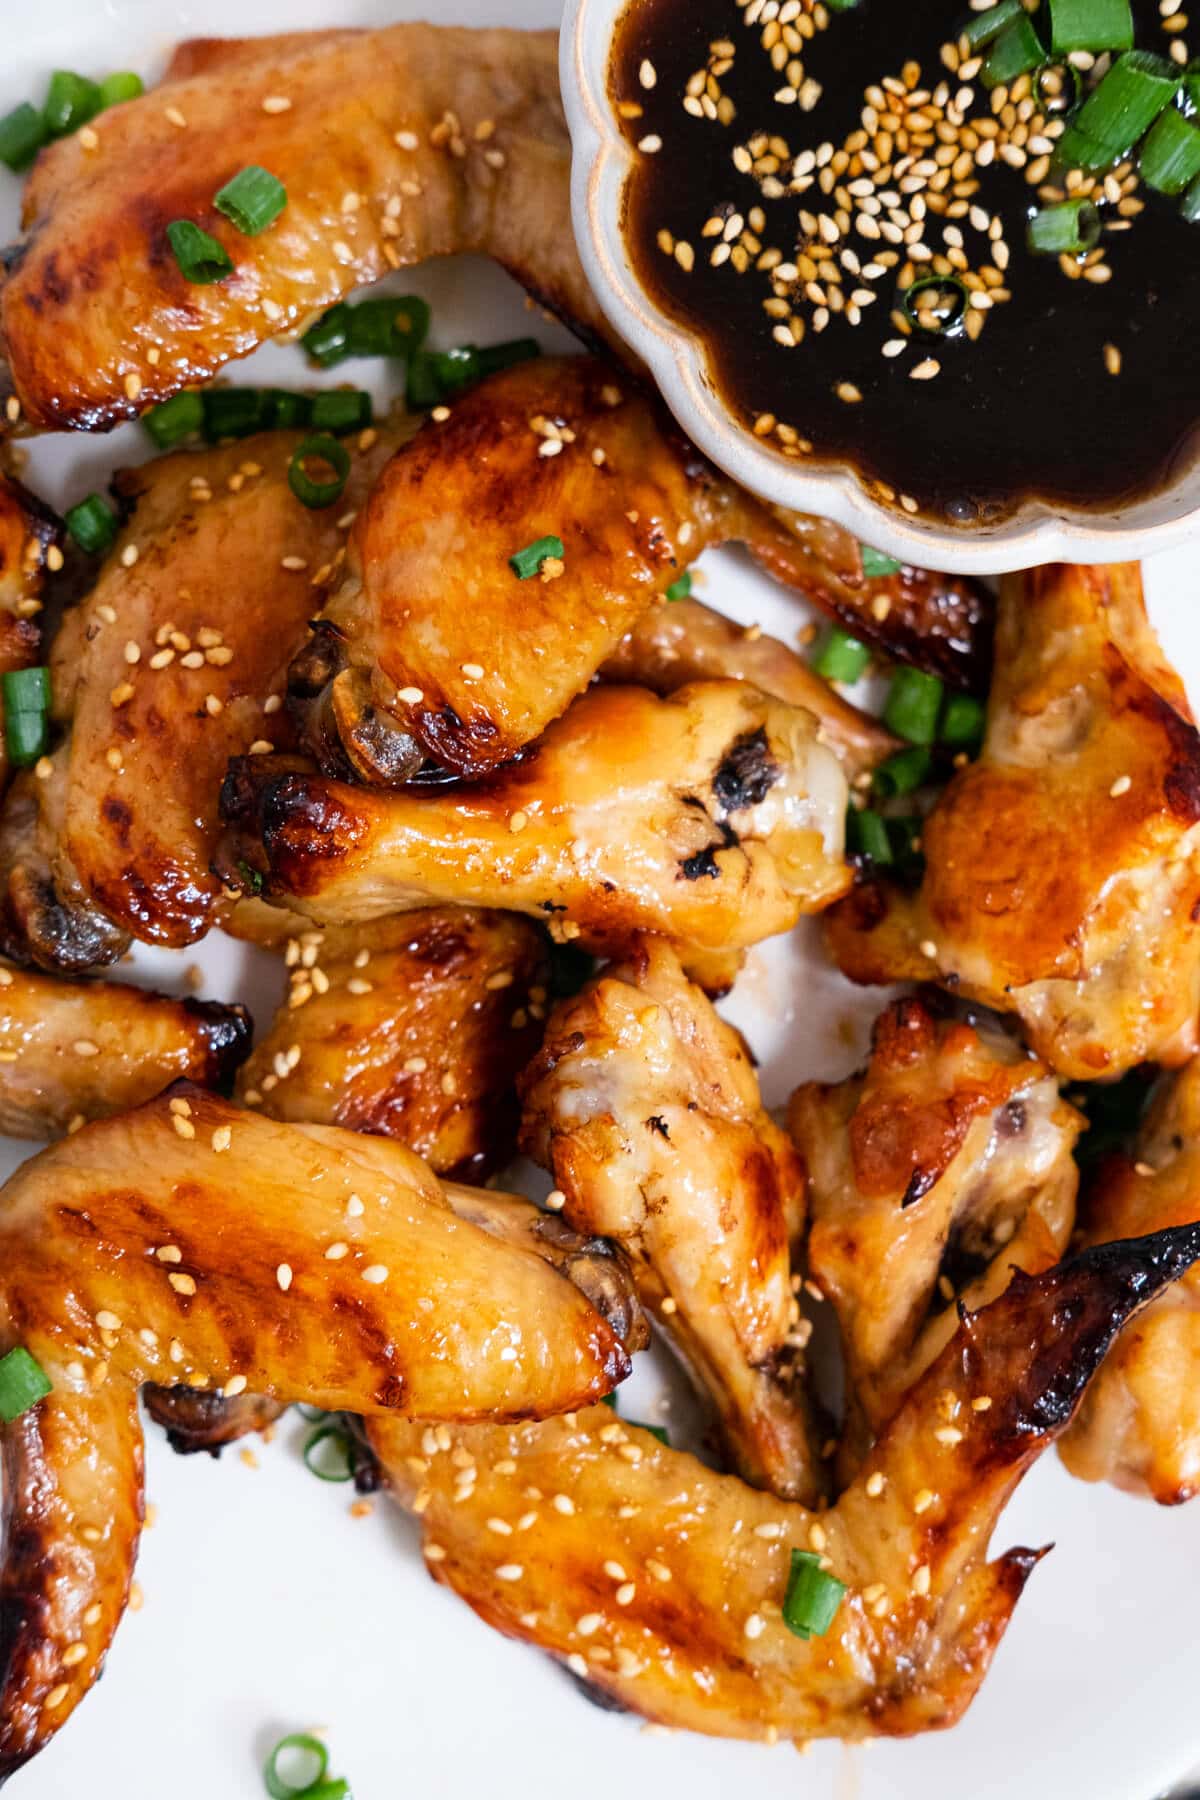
<point x="944" y="1166"/>
<point x="714" y="817"/>
<point x="194" y="1242"/>
<point x="452" y="140"/>
<point x="77" y="1050"/>
<point x="1140" y="1425"/>
<point x="644" y="1106"/>
<point x="29" y="536"/>
<point x="660" y="1583"/>
<point x="1062" y="877"/>
<point x="413" y="1028"/>
<point x="162" y="673"/>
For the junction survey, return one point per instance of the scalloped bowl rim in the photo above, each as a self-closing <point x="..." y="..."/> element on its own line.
<point x="601" y="161"/>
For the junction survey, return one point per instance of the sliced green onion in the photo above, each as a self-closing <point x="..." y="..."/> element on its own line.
<point x="310" y="491"/>
<point x="312" y="1415"/>
<point x="528" y="561"/>
<point x="902" y="773"/>
<point x="1169" y="159"/>
<point x="681" y="587"/>
<point x="26" y="696"/>
<point x="1015" y="52"/>
<point x="422" y="390"/>
<point x="876" y="564"/>
<point x="457" y="369"/>
<point x="91" y="524"/>
<point x="913" y="704"/>
<point x="982" y="27"/>
<point x="285" y="410"/>
<point x="1090" y="25"/>
<point x="178" y="418"/>
<point x="252" y="199"/>
<point x="122" y="85"/>
<point x="22" y="134"/>
<point x="1189" y="206"/>
<point x="297" y="1744"/>
<point x="963" y="720"/>
<point x="1076" y="150"/>
<point x="1057" y="87"/>
<point x="251" y="880"/>
<point x="867" y="834"/>
<point x="328" y="341"/>
<point x="903" y="835"/>
<point x="232" y="412"/>
<point x="1191" y="85"/>
<point x="341" y="409"/>
<point x="201" y="259"/>
<point x="841" y="5"/>
<point x="936" y="304"/>
<point x="26" y="690"/>
<point x="1120" y="111"/>
<point x="329" y="1454"/>
<point x="841" y="657"/>
<point x="1065" y="229"/>
<point x="495" y="357"/>
<point x="23" y="1382"/>
<point x="71" y="100"/>
<point x="373" y="328"/>
<point x="813" y="1596"/>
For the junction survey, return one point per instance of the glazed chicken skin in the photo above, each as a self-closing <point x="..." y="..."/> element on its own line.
<point x="645" y="1108"/>
<point x="714" y="817"/>
<point x="209" y="587"/>
<point x="1062" y="870"/>
<point x="932" y="1175"/>
<point x="30" y="536"/>
<point x="453" y="140"/>
<point x="1140" y="1425"/>
<point x="194" y="1242"/>
<point x="660" y="1584"/>
<point x="77" y="1050"/>
<point x="413" y="1028"/>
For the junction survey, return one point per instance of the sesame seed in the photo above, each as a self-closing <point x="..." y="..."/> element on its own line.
<point x="923" y="1500"/>
<point x="921" y="1580"/>
<point x="57" y="1695"/>
<point x="1120" y="786"/>
<point x="925" y="371"/>
<point x="108" y="1321"/>
<point x="651" y="144"/>
<point x="234" y="1386"/>
<point x="1112" y="359"/>
<point x="176" y="118"/>
<point x="183" y="1127"/>
<point x="276" y="103"/>
<point x="875" y="1484"/>
<point x="129" y="556"/>
<point x="283" y="1275"/>
<point x="440" y="414"/>
<point x="376" y="1274"/>
<point x="847" y="392"/>
<point x="473" y="671"/>
<point x="929" y="948"/>
<point x="509" y="1572"/>
<point x="183" y="1284"/>
<point x="169" y="1253"/>
<point x="948" y="1434"/>
<point x="647" y="73"/>
<point x="589" y="1623"/>
<point x="411" y="696"/>
<point x="555" y="1200"/>
<point x="754" y="1626"/>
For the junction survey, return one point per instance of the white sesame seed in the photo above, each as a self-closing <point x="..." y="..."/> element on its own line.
<point x="276" y="103"/>
<point x="754" y="1626"/>
<point x="1120" y="786"/>
<point x="376" y="1274"/>
<point x="283" y="1276"/>
<point x="509" y="1572"/>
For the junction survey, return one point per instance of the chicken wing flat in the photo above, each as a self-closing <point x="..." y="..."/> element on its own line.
<point x="174" y="662"/>
<point x="932" y="1176"/>
<point x="645" y="1107"/>
<point x="1140" y="1425"/>
<point x="661" y="1584"/>
<point x="452" y="140"/>
<point x="194" y="1242"/>
<point x="714" y="817"/>
<point x="1062" y="870"/>
<point x="29" y="535"/>
<point x="413" y="1028"/>
<point x="77" y="1050"/>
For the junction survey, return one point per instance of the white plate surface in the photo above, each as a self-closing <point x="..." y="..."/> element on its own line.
<point x="268" y="1608"/>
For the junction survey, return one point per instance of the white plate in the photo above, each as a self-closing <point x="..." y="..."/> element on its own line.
<point x="267" y="1608"/>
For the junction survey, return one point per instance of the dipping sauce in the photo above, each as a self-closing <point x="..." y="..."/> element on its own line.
<point x="801" y="170"/>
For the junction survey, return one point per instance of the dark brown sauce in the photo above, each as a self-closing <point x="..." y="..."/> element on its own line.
<point x="1029" y="409"/>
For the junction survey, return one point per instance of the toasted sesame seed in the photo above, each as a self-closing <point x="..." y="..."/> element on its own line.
<point x="929" y="948"/>
<point x="948" y="1434"/>
<point x="440" y="414"/>
<point x="234" y="1386"/>
<point x="651" y="144"/>
<point x="57" y="1695"/>
<point x="925" y="371"/>
<point x="276" y="103"/>
<point x="411" y="696"/>
<point x="923" y="1500"/>
<point x="875" y="1484"/>
<point x="283" y="1275"/>
<point x="176" y="118"/>
<point x="921" y="1580"/>
<point x="183" y="1284"/>
<point x="376" y="1274"/>
<point x="183" y="1127"/>
<point x="1120" y="786"/>
<point x="589" y="1623"/>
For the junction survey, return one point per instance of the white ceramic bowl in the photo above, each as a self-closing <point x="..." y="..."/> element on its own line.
<point x="1036" y="534"/>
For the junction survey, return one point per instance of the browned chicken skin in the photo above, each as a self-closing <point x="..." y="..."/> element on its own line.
<point x="660" y="1583"/>
<point x="1140" y="1425"/>
<point x="645" y="1107"/>
<point x="194" y="1242"/>
<point x="948" y="1161"/>
<point x="1062" y="877"/>
<point x="714" y="817"/>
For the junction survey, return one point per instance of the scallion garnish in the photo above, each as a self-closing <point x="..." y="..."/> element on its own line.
<point x="71" y="100"/>
<point x="1090" y="25"/>
<point x="902" y="773"/>
<point x="982" y="27"/>
<point x="91" y="524"/>
<point x="22" y="134"/>
<point x="1189" y="206"/>
<point x="963" y="720"/>
<point x="341" y="409"/>
<point x="527" y="562"/>
<point x="285" y="410"/>
<point x="435" y="375"/>
<point x="176" y="419"/>
<point x="936" y="304"/>
<point x="1117" y="114"/>
<point x="867" y="835"/>
<point x="841" y="657"/>
<point x="252" y="199"/>
<point x="1169" y="160"/>
<point x="23" y="1382"/>
<point x="913" y="704"/>
<point x="1066" y="229"/>
<point x="232" y="412"/>
<point x="313" y="491"/>
<point x="1057" y="87"/>
<point x="250" y="878"/>
<point x="904" y="837"/>
<point x="26" y="696"/>
<point x="681" y="587"/>
<point x="202" y="260"/>
<point x="875" y="564"/>
<point x="422" y="389"/>
<point x="330" y="1454"/>
<point x="372" y="328"/>
<point x="122" y="85"/>
<point x="301" y="1747"/>
<point x="813" y="1596"/>
<point x="1015" y="52"/>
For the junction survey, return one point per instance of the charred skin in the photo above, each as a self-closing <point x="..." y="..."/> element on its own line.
<point x="910" y="1658"/>
<point x="46" y="916"/>
<point x="194" y="1420"/>
<point x="188" y="1239"/>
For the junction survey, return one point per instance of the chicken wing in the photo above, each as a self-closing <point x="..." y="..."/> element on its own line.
<point x="173" y="663"/>
<point x="29" y="542"/>
<point x="660" y="1584"/>
<point x="932" y="1176"/>
<point x="77" y="1050"/>
<point x="1062" y="870"/>
<point x="714" y="817"/>
<point x="1140" y="1425"/>
<point x="194" y="1242"/>
<point x="413" y="1028"/>
<point x="645" y="1107"/>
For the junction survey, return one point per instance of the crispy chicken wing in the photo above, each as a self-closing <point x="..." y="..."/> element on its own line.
<point x="194" y="1242"/>
<point x="29" y="534"/>
<point x="77" y="1050"/>
<point x="645" y="1107"/>
<point x="660" y="1583"/>
<point x="934" y="1174"/>
<point x="1062" y="877"/>
<point x="1140" y="1425"/>
<point x="714" y="817"/>
<point x="453" y="140"/>
<point x="163" y="672"/>
<point x="413" y="1028"/>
